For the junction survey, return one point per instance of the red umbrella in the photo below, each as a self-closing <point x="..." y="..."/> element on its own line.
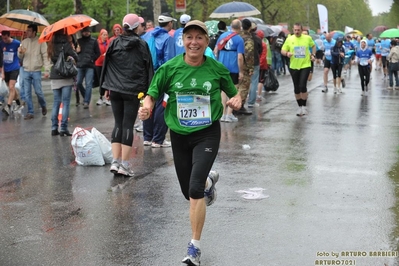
<point x="13" y="32"/>
<point x="70" y="25"/>
<point x="380" y="28"/>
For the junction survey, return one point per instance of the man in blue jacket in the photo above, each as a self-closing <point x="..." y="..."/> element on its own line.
<point x="155" y="127"/>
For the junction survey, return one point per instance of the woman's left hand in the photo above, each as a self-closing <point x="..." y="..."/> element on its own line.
<point x="235" y="102"/>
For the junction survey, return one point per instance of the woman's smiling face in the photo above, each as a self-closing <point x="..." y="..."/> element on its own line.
<point x="195" y="42"/>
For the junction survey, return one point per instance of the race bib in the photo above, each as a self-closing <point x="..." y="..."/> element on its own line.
<point x="8" y="57"/>
<point x="364" y="61"/>
<point x="194" y="110"/>
<point x="299" y="51"/>
<point x="327" y="52"/>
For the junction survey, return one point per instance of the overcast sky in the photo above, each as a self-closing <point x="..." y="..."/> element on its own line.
<point x="378" y="6"/>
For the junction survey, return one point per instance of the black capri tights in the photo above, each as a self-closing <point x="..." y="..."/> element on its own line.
<point x="124" y="108"/>
<point x="194" y="155"/>
<point x="300" y="79"/>
<point x="336" y="70"/>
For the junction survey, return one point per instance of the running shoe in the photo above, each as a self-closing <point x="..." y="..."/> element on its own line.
<point x="99" y="102"/>
<point x="147" y="143"/>
<point x="231" y="118"/>
<point x="193" y="255"/>
<point x="335" y="90"/>
<point x="114" y="167"/>
<point x="325" y="89"/>
<point x="304" y="110"/>
<point x="299" y="111"/>
<point x="210" y="195"/>
<point x="165" y="144"/>
<point x="6" y="110"/>
<point x="125" y="170"/>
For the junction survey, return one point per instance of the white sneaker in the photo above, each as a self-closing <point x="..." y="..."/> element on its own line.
<point x="304" y="110"/>
<point x="366" y="93"/>
<point x="231" y="118"/>
<point x="99" y="102"/>
<point x="147" y="143"/>
<point x="325" y="89"/>
<point x="125" y="170"/>
<point x="335" y="90"/>
<point x="299" y="111"/>
<point x="165" y="144"/>
<point x="390" y="88"/>
<point x="223" y="118"/>
<point x="107" y="102"/>
<point x="339" y="90"/>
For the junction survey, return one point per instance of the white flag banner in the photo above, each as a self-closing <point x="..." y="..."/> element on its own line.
<point x="323" y="18"/>
<point x="348" y="29"/>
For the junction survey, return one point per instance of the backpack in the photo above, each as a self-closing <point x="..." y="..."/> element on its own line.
<point x="213" y="39"/>
<point x="279" y="42"/>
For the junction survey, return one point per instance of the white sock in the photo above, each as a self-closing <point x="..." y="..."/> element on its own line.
<point x="196" y="243"/>
<point x="209" y="184"/>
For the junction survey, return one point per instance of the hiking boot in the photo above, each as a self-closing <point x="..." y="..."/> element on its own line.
<point x="210" y="195"/>
<point x="193" y="255"/>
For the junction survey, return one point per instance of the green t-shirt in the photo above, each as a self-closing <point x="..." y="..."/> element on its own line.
<point x="299" y="47"/>
<point x="194" y="93"/>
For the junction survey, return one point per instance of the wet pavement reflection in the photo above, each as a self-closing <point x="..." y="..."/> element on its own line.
<point x="332" y="179"/>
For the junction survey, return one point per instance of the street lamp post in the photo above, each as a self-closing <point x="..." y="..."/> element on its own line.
<point x="8" y="6"/>
<point x="127" y="6"/>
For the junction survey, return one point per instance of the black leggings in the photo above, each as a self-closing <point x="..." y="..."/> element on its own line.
<point x="336" y="70"/>
<point x="364" y="73"/>
<point x="124" y="108"/>
<point x="194" y="155"/>
<point x="300" y="79"/>
<point x="98" y="75"/>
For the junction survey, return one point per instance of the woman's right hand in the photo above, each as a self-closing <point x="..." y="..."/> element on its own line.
<point x="144" y="113"/>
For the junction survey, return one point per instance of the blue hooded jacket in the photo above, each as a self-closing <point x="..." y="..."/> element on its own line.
<point x="164" y="44"/>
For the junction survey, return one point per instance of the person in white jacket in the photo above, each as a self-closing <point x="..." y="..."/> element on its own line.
<point x="33" y="56"/>
<point x="393" y="59"/>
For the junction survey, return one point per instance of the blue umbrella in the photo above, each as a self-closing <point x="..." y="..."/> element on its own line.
<point x="234" y="9"/>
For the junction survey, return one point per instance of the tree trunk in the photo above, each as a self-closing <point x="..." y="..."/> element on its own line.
<point x="78" y="6"/>
<point x="157" y="9"/>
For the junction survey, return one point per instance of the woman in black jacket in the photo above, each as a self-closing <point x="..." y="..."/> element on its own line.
<point x="127" y="71"/>
<point x="61" y="86"/>
<point x="337" y="62"/>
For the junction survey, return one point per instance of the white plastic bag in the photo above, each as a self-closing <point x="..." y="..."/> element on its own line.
<point x="3" y="88"/>
<point x="104" y="143"/>
<point x="86" y="149"/>
<point x="18" y="83"/>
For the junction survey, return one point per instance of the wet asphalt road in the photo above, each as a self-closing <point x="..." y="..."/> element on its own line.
<point x="332" y="181"/>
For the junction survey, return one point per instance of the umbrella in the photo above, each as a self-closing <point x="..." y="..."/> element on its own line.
<point x="70" y="25"/>
<point x="391" y="33"/>
<point x="266" y="30"/>
<point x="356" y="32"/>
<point x="21" y="18"/>
<point x="380" y="28"/>
<point x="255" y="20"/>
<point x="13" y="32"/>
<point x="278" y="28"/>
<point x="212" y="26"/>
<point x="337" y="34"/>
<point x="234" y="9"/>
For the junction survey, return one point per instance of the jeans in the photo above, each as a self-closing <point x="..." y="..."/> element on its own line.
<point x="22" y="90"/>
<point x="155" y="127"/>
<point x="392" y="74"/>
<point x="276" y="61"/>
<point x="254" y="86"/>
<point x="34" y="78"/>
<point x="88" y="75"/>
<point x="61" y="95"/>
